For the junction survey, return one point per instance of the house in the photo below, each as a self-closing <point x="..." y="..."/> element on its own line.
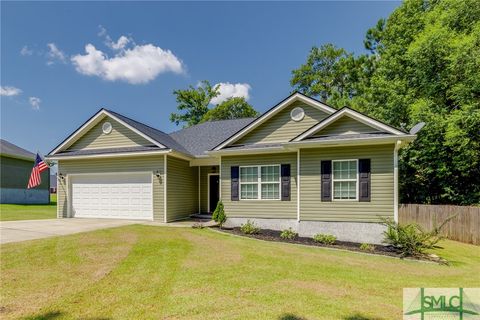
<point x="302" y="164"/>
<point x="15" y="166"/>
<point x="53" y="183"/>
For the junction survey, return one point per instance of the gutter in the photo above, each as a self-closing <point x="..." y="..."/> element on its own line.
<point x="108" y="155"/>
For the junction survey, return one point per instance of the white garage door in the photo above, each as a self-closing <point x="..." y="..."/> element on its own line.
<point x="120" y="196"/>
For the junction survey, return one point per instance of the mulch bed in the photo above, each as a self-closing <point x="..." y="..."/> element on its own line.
<point x="274" y="235"/>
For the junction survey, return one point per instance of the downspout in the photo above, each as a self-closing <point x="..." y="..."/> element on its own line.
<point x="298" y="185"/>
<point x="395" y="180"/>
<point x="220" y="179"/>
<point x="165" y="188"/>
<point x="199" y="197"/>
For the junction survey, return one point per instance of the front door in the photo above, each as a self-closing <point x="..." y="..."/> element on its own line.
<point x="214" y="191"/>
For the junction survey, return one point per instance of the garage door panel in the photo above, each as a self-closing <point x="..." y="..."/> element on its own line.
<point x="127" y="196"/>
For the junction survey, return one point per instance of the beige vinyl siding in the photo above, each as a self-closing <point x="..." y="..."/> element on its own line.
<point x="281" y="128"/>
<point x="381" y="205"/>
<point x="259" y="208"/>
<point x="182" y="189"/>
<point x="120" y="136"/>
<point x="345" y="125"/>
<point x="204" y="171"/>
<point x="126" y="164"/>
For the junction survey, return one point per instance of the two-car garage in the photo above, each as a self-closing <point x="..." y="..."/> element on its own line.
<point x="113" y="195"/>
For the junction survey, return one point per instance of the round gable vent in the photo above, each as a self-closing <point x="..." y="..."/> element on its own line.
<point x="297" y="114"/>
<point x="107" y="127"/>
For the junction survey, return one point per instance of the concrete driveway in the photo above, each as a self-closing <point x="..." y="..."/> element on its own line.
<point x="16" y="231"/>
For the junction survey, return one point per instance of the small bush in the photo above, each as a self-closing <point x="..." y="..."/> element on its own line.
<point x="219" y="214"/>
<point x="411" y="239"/>
<point x="288" y="234"/>
<point x="249" y="228"/>
<point x="324" y="238"/>
<point x="367" y="247"/>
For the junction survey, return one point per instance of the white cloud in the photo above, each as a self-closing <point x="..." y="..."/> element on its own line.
<point x="9" y="91"/>
<point x="35" y="102"/>
<point x="55" y="54"/>
<point x="26" y="51"/>
<point x="119" y="45"/>
<point x="229" y="90"/>
<point x="140" y="64"/>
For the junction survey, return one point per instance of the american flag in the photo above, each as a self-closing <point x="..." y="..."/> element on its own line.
<point x="38" y="168"/>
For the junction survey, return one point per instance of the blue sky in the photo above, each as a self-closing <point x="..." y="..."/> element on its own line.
<point x="140" y="52"/>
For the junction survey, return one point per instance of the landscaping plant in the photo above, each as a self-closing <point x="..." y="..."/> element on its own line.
<point x="288" y="234"/>
<point x="367" y="247"/>
<point x="249" y="228"/>
<point x="410" y="239"/>
<point x="219" y="214"/>
<point x="324" y="238"/>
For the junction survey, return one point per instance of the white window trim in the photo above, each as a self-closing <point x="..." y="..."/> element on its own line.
<point x="259" y="182"/>
<point x="340" y="180"/>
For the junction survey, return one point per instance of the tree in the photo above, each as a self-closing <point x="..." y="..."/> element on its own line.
<point x="332" y="74"/>
<point x="194" y="103"/>
<point x="232" y="108"/>
<point x="423" y="66"/>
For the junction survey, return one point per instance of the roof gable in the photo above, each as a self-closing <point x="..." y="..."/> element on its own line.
<point x="96" y="119"/>
<point x="347" y="121"/>
<point x="281" y="127"/>
<point x="265" y="117"/>
<point x="120" y="136"/>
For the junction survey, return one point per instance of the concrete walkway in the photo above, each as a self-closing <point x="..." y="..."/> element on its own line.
<point x="16" y="231"/>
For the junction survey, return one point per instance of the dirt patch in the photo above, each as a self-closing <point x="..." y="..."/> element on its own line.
<point x="274" y="235"/>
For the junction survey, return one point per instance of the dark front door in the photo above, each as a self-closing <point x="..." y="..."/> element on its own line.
<point x="214" y="191"/>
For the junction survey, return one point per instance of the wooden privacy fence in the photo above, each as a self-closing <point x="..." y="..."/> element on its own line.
<point x="465" y="227"/>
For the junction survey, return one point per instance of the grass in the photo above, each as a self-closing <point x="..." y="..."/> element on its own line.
<point x="147" y="272"/>
<point x="11" y="212"/>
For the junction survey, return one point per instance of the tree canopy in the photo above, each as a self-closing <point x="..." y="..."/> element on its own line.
<point x="232" y="108"/>
<point x="423" y="65"/>
<point x="194" y="106"/>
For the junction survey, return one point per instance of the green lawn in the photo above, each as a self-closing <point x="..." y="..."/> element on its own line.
<point x="10" y="212"/>
<point x="147" y="272"/>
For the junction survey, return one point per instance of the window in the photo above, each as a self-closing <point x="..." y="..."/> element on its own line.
<point x="345" y="179"/>
<point x="260" y="182"/>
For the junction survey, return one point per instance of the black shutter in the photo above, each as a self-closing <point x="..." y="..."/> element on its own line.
<point x="326" y="176"/>
<point x="364" y="180"/>
<point x="285" y="168"/>
<point x="234" y="178"/>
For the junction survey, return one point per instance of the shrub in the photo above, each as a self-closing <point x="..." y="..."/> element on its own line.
<point x="249" y="228"/>
<point x="324" y="238"/>
<point x="411" y="239"/>
<point x="288" y="234"/>
<point x="219" y="214"/>
<point x="367" y="247"/>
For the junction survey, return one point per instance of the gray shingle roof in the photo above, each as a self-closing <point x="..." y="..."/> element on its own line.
<point x="205" y="136"/>
<point x="153" y="133"/>
<point x="10" y="149"/>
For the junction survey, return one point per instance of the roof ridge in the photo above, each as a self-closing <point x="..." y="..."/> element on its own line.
<point x="146" y="125"/>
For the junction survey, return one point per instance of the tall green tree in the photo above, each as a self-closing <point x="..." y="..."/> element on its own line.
<point x="193" y="103"/>
<point x="423" y="66"/>
<point x="232" y="108"/>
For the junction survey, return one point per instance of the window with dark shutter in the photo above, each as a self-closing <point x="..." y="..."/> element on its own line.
<point x="326" y="180"/>
<point x="285" y="182"/>
<point x="364" y="175"/>
<point x="234" y="178"/>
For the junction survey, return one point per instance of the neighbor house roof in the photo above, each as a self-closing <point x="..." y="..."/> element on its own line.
<point x="13" y="151"/>
<point x="204" y="136"/>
